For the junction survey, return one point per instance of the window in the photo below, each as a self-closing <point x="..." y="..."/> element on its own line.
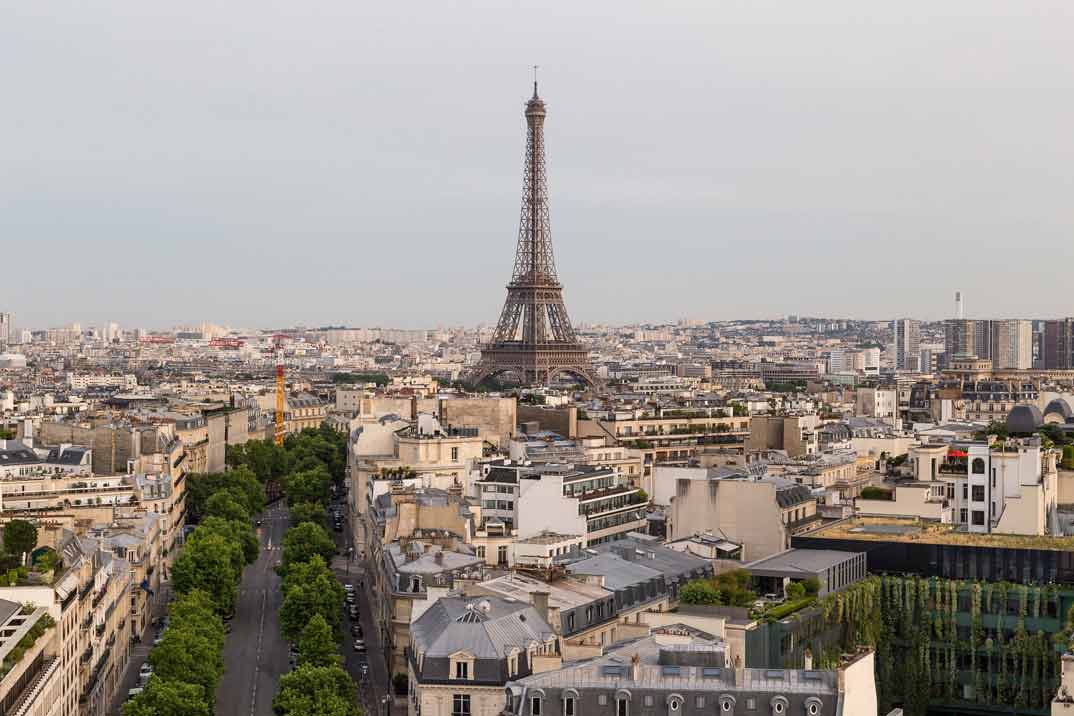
<point x="751" y="704"/>
<point x="978" y="466"/>
<point x="622" y="707"/>
<point x="701" y="702"/>
<point x="589" y="615"/>
<point x="674" y="704"/>
<point x="462" y="670"/>
<point x="978" y="517"/>
<point x="993" y="477"/>
<point x="978" y="493"/>
<point x="481" y="552"/>
<point x="454" y="454"/>
<point x="501" y="554"/>
<point x="460" y="705"/>
<point x="602" y="699"/>
<point x="535" y="706"/>
<point x="965" y="491"/>
<point x="962" y="516"/>
<point x="570" y="622"/>
<point x="568" y="706"/>
<point x="648" y="700"/>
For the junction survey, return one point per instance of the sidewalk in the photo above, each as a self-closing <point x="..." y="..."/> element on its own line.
<point x="139" y="652"/>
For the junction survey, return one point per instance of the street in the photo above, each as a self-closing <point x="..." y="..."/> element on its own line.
<point x="376" y="684"/>
<point x="255" y="654"/>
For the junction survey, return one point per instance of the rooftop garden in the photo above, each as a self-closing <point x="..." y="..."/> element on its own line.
<point x="934" y="533"/>
<point x="43" y="624"/>
<point x="20" y="563"/>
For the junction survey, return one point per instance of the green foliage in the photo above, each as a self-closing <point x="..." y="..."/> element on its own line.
<point x="1068" y="457"/>
<point x="812" y="586"/>
<point x="876" y="493"/>
<point x="309" y="512"/>
<point x="728" y="589"/>
<point x="166" y="697"/>
<point x="20" y="536"/>
<point x="795" y="591"/>
<point x="319" y="690"/>
<point x="786" y="608"/>
<point x="239" y="532"/>
<point x="700" y="591"/>
<point x="305" y="541"/>
<point x="264" y="458"/>
<point x="195" y="612"/>
<point x="6" y="434"/>
<point x="642" y="496"/>
<point x="208" y="562"/>
<point x="317" y="645"/>
<point x="228" y="505"/>
<point x="240" y="483"/>
<point x="401" y="684"/>
<point x="309" y="590"/>
<point x="308" y="486"/>
<point x="188" y="656"/>
<point x="739" y="410"/>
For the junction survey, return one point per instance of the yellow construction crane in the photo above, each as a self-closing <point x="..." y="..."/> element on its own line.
<point x="281" y="392"/>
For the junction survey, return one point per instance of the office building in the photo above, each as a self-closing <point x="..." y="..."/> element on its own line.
<point x="1012" y="344"/>
<point x="907" y="344"/>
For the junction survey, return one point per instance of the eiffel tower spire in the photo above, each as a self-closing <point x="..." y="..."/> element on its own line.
<point x="534" y="338"/>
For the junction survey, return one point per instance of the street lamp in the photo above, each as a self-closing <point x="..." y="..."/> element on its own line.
<point x="387" y="702"/>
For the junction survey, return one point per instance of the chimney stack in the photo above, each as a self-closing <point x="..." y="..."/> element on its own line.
<point x="808" y="665"/>
<point x="740" y="671"/>
<point x="635" y="668"/>
<point x="540" y="604"/>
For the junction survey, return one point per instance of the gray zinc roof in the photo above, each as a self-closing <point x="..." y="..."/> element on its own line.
<point x="485" y="627"/>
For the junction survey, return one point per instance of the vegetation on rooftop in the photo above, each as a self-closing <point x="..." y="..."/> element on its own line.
<point x="935" y="533"/>
<point x="934" y="637"/>
<point x="380" y="379"/>
<point x="727" y="589"/>
<point x="877" y="493"/>
<point x="43" y="624"/>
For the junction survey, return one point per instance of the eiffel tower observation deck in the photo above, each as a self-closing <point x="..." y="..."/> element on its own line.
<point x="534" y="340"/>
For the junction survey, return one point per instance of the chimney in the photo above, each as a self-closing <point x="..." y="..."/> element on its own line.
<point x="635" y="668"/>
<point x="414" y="407"/>
<point x="740" y="671"/>
<point x="539" y="600"/>
<point x="808" y="665"/>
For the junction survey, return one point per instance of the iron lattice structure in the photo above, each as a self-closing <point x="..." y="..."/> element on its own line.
<point x="534" y="339"/>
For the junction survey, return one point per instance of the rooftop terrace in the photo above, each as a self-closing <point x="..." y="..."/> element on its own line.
<point x="885" y="529"/>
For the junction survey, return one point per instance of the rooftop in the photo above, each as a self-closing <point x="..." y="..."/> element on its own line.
<point x="884" y="529"/>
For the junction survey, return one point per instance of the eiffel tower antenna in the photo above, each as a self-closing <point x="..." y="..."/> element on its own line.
<point x="534" y="339"/>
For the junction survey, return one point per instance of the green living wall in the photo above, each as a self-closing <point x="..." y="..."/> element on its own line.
<point x="974" y="645"/>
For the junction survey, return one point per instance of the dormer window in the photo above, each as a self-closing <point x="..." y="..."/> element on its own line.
<point x="779" y="705"/>
<point x="462" y="670"/>
<point x="813" y="706"/>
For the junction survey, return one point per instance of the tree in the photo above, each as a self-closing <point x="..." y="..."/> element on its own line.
<point x="241" y="482"/>
<point x="196" y="612"/>
<point x="223" y="504"/>
<point x="812" y="586"/>
<point x="317" y="646"/>
<point x="310" y="590"/>
<point x="311" y="485"/>
<point x="241" y="533"/>
<point x="309" y="512"/>
<point x="306" y="540"/>
<point x="699" y="591"/>
<point x="166" y="697"/>
<point x="20" y="536"/>
<point x="185" y="655"/>
<point x="208" y="563"/>
<point x="320" y="690"/>
<point x="795" y="591"/>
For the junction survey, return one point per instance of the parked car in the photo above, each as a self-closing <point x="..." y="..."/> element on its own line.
<point x="356" y="630"/>
<point x="348" y="588"/>
<point x="359" y="645"/>
<point x="351" y="599"/>
<point x="134" y="692"/>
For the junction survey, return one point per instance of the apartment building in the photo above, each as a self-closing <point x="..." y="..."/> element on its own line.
<point x="88" y="598"/>
<point x="760" y="514"/>
<point x="592" y="502"/>
<point x="676" y="672"/>
<point x="31" y="685"/>
<point x="409" y="576"/>
<point x="465" y="650"/>
<point x="1009" y="487"/>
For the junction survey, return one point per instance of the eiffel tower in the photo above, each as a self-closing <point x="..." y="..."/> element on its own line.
<point x="534" y="339"/>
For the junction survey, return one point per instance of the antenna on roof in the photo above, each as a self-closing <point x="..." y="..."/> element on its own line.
<point x="535" y="67"/>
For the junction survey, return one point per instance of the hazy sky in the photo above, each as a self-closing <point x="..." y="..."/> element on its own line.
<point x="261" y="163"/>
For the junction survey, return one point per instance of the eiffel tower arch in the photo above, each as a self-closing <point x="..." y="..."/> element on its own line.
<point x="534" y="339"/>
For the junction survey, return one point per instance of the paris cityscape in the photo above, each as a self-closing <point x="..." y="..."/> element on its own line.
<point x="765" y="460"/>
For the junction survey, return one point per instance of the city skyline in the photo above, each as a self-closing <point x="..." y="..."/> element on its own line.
<point x="289" y="167"/>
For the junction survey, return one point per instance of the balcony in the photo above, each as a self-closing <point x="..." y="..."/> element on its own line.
<point x="949" y="468"/>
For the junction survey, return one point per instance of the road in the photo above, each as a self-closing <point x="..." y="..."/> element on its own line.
<point x="255" y="655"/>
<point x="373" y="686"/>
